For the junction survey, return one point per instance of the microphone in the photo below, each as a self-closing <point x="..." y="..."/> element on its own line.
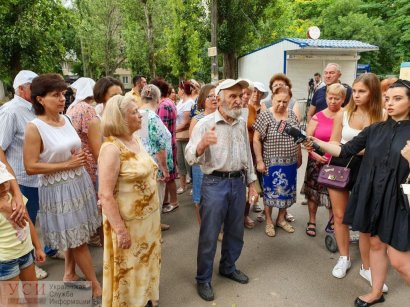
<point x="299" y="136"/>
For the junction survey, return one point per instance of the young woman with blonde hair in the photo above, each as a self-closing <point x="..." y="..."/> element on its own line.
<point x="365" y="108"/>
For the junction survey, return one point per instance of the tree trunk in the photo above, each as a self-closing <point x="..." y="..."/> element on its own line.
<point x="230" y="71"/>
<point x="150" y="39"/>
<point x="15" y="63"/>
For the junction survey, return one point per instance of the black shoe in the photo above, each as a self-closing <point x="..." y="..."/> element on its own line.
<point x="205" y="291"/>
<point x="360" y="303"/>
<point x="237" y="276"/>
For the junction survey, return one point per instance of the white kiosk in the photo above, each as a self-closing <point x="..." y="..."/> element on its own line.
<point x="299" y="59"/>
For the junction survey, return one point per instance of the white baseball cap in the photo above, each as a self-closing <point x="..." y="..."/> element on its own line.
<point x="260" y="87"/>
<point x="228" y="83"/>
<point x="23" y="77"/>
<point x="4" y="174"/>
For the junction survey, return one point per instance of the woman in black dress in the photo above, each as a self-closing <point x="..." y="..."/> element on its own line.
<point x="376" y="205"/>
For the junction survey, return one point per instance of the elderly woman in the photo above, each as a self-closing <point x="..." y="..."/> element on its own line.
<point x="129" y="197"/>
<point x="156" y="139"/>
<point x="249" y="112"/>
<point x="68" y="205"/>
<point x="168" y="114"/>
<point x="279" y="80"/>
<point x="321" y="127"/>
<point x="186" y="93"/>
<point x="277" y="158"/>
<point x="255" y="107"/>
<point x="82" y="114"/>
<point x="259" y="92"/>
<point x="206" y="102"/>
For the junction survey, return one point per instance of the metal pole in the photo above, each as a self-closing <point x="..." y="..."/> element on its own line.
<point x="214" y="27"/>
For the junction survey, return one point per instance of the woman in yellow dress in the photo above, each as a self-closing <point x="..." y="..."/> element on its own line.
<point x="131" y="221"/>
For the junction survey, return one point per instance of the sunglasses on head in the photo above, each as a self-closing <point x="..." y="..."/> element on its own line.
<point x="403" y="82"/>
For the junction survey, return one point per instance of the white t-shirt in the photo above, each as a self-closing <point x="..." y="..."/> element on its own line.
<point x="183" y="106"/>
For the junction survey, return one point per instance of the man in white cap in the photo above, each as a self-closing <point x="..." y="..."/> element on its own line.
<point x="219" y="143"/>
<point x="14" y="116"/>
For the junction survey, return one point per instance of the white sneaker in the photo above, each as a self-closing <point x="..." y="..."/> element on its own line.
<point x="366" y="274"/>
<point x="40" y="273"/>
<point x="257" y="208"/>
<point x="58" y="255"/>
<point x="342" y="265"/>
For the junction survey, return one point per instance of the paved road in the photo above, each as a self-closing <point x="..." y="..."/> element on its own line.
<point x="287" y="270"/>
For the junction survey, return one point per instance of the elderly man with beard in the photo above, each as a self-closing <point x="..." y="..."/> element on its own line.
<point x="219" y="143"/>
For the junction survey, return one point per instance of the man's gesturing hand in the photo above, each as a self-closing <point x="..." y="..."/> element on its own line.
<point x="209" y="138"/>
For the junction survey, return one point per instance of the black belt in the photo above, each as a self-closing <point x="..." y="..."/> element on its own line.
<point x="235" y="174"/>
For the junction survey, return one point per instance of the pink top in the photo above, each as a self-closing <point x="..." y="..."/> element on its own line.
<point x="323" y="129"/>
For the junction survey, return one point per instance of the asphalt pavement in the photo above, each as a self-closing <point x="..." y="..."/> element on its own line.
<point x="287" y="270"/>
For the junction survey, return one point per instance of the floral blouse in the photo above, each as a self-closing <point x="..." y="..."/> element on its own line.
<point x="81" y="114"/>
<point x="158" y="138"/>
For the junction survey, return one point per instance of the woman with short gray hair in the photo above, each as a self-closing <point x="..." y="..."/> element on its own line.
<point x="156" y="138"/>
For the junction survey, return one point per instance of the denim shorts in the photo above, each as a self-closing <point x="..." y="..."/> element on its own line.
<point x="11" y="268"/>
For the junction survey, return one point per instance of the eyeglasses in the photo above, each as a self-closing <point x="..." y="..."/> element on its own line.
<point x="211" y="97"/>
<point x="403" y="82"/>
<point x="279" y="85"/>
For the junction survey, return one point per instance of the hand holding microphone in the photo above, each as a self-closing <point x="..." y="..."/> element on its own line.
<point x="299" y="136"/>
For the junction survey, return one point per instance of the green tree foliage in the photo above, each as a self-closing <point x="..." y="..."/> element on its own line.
<point x="185" y="44"/>
<point x="32" y="36"/>
<point x="101" y="38"/>
<point x="380" y="22"/>
<point x="170" y="38"/>
<point x="396" y="25"/>
<point x="236" y="20"/>
<point x="145" y="38"/>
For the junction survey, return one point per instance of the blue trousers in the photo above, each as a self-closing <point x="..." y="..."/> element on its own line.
<point x="32" y="207"/>
<point x="222" y="202"/>
<point x="197" y="176"/>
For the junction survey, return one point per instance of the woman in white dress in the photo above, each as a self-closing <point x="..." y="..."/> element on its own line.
<point x="68" y="208"/>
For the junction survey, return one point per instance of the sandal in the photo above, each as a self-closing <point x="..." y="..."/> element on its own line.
<point x="97" y="301"/>
<point x="164" y="227"/>
<point x="330" y="227"/>
<point x="79" y="284"/>
<point x="270" y="230"/>
<point x="289" y="217"/>
<point x="249" y="223"/>
<point x="286" y="226"/>
<point x="170" y="207"/>
<point x="311" y="231"/>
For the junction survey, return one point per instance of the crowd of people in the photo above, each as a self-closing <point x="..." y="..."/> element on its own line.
<point x="102" y="171"/>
